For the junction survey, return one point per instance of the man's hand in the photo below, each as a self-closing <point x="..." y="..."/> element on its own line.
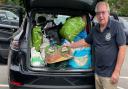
<point x="120" y="60"/>
<point x="115" y="77"/>
<point x="80" y="43"/>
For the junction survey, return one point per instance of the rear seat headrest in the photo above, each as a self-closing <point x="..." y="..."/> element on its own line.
<point x="41" y="19"/>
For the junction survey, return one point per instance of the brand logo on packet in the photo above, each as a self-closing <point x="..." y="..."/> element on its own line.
<point x="81" y="61"/>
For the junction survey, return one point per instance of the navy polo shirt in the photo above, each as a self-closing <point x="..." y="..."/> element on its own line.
<point x="105" y="46"/>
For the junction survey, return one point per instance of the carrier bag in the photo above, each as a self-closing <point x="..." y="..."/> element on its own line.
<point x="37" y="37"/>
<point x="72" y="27"/>
<point x="82" y="58"/>
<point x="36" y="59"/>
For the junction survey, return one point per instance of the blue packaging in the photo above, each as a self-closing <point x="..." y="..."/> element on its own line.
<point x="81" y="35"/>
<point x="82" y="58"/>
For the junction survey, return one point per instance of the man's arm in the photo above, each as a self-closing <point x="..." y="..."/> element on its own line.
<point x="120" y="60"/>
<point x="80" y="43"/>
<point x="83" y="42"/>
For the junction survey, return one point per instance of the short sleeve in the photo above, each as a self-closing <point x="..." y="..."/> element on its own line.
<point x="120" y="35"/>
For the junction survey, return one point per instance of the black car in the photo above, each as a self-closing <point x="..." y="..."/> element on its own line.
<point x="9" y="23"/>
<point x="22" y="75"/>
<point x="124" y="23"/>
<point x="8" y="18"/>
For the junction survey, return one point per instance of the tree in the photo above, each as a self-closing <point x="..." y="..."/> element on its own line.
<point x="119" y="6"/>
<point x="2" y="1"/>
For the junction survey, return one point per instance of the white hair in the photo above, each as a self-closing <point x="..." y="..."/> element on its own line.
<point x="103" y="3"/>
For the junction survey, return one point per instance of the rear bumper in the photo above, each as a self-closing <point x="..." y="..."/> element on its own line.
<point x="31" y="81"/>
<point x="50" y="87"/>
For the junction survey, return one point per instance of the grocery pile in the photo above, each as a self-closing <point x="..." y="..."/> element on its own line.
<point x="48" y="50"/>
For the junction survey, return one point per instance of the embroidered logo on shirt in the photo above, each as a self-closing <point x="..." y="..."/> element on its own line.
<point x="108" y="37"/>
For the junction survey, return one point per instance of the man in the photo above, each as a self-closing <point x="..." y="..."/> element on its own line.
<point x="108" y="41"/>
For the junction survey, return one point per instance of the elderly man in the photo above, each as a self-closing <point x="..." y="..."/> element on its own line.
<point x="108" y="41"/>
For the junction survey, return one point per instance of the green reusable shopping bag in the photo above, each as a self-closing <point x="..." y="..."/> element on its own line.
<point x="72" y="27"/>
<point x="37" y="37"/>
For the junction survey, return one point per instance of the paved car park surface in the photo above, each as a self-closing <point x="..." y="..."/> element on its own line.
<point x="3" y="77"/>
<point x="123" y="81"/>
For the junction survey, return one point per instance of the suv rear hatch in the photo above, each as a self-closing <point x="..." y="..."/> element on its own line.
<point x="76" y="78"/>
<point x="70" y="8"/>
<point x="77" y="5"/>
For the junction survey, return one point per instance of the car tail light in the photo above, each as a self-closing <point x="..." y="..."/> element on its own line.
<point x="15" y="45"/>
<point x="16" y="83"/>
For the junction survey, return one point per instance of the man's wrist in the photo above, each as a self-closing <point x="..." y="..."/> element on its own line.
<point x="117" y="70"/>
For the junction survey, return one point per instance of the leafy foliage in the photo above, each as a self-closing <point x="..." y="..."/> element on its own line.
<point x="118" y="6"/>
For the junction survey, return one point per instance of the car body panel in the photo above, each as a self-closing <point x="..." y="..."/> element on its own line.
<point x="79" y="5"/>
<point x="8" y="18"/>
<point x="124" y="23"/>
<point x="9" y="23"/>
